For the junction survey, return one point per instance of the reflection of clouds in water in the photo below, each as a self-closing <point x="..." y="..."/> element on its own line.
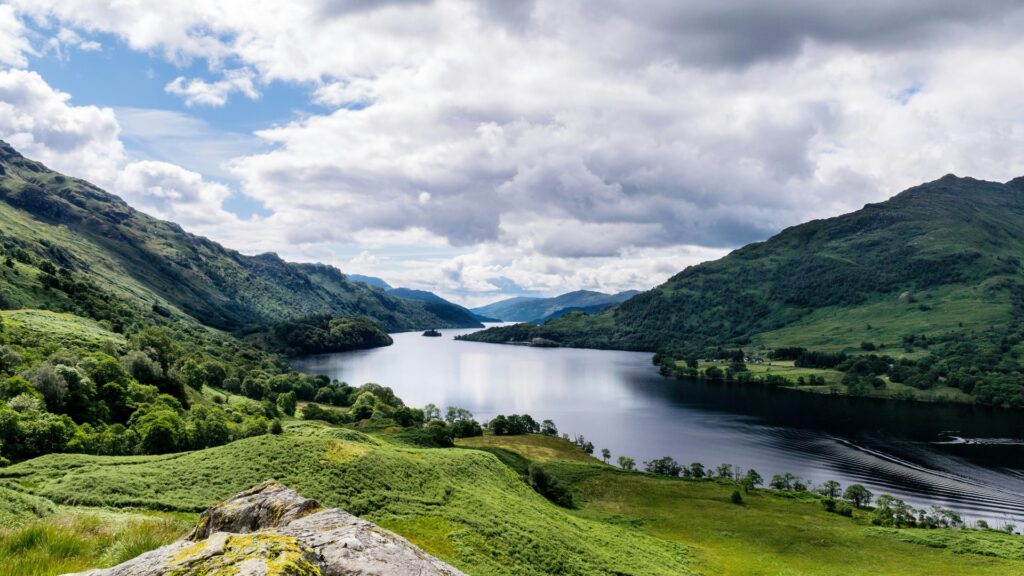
<point x="617" y="400"/>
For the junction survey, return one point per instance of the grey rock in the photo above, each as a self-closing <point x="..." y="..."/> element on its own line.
<point x="271" y="530"/>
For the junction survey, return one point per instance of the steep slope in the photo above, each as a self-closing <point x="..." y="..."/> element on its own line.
<point x="937" y="259"/>
<point x="156" y="264"/>
<point x="527" y="309"/>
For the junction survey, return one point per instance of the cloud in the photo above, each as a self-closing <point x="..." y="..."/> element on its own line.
<point x="564" y="144"/>
<point x="66" y="39"/>
<point x="197" y="91"/>
<point x="42" y="124"/>
<point x="13" y="44"/>
<point x="173" y="193"/>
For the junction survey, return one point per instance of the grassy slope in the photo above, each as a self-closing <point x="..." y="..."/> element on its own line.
<point x="953" y="245"/>
<point x="80" y="227"/>
<point x="466" y="507"/>
<point x="770" y="533"/>
<point x="46" y="328"/>
<point x="463" y="505"/>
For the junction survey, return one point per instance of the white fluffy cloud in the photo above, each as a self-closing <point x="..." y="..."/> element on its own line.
<point x="83" y="141"/>
<point x="42" y="124"/>
<point x="13" y="44"/>
<point x="198" y="91"/>
<point x="558" y="144"/>
<point x="173" y="193"/>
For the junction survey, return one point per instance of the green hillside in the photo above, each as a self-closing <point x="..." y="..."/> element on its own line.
<point x="472" y="507"/>
<point x="934" y="272"/>
<point x="86" y="232"/>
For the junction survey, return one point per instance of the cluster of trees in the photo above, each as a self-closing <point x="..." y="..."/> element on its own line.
<point x="516" y="424"/>
<point x="377" y="406"/>
<point x="127" y="401"/>
<point x="320" y="334"/>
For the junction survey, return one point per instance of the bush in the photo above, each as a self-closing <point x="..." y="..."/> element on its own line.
<point x="736" y="497"/>
<point x="548" y="487"/>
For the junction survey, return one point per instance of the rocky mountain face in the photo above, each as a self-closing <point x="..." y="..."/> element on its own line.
<point x="270" y="530"/>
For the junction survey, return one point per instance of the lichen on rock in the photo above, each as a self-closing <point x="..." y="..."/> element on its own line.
<point x="270" y="530"/>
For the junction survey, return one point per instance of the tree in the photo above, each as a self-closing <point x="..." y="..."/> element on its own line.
<point x="194" y="374"/>
<point x="736" y="498"/>
<point x="751" y="480"/>
<point x="830" y="489"/>
<point x="160" y="431"/>
<point x="454" y="414"/>
<point x="548" y="428"/>
<point x="697" y="470"/>
<point x="286" y="403"/>
<point x="723" y="471"/>
<point x="665" y="466"/>
<point x="54" y="389"/>
<point x="858" y="495"/>
<point x="431" y="412"/>
<point x="627" y="463"/>
<point x="606" y="454"/>
<point x="893" y="512"/>
<point x="787" y="482"/>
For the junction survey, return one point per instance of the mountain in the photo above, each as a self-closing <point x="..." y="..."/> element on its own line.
<point x="528" y="309"/>
<point x="932" y="275"/>
<point x="435" y="300"/>
<point x="369" y="281"/>
<point x="96" y="237"/>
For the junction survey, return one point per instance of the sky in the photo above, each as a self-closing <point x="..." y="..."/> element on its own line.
<point x="489" y="149"/>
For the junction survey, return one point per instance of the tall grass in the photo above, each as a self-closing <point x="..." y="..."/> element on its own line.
<point x="71" y="541"/>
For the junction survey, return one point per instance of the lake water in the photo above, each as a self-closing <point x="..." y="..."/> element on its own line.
<point x="967" y="458"/>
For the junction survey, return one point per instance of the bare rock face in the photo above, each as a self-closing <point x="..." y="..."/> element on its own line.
<point x="270" y="530"/>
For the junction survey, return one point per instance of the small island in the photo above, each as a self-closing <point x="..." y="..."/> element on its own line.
<point x="432" y="333"/>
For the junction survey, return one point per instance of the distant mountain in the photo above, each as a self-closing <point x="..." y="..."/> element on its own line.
<point x="82" y="235"/>
<point x="528" y="309"/>
<point x="369" y="281"/>
<point x="434" y="299"/>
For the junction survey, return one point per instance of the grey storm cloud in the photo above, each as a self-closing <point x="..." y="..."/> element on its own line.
<point x="742" y="32"/>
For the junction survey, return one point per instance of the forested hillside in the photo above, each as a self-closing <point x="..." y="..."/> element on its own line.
<point x="85" y="233"/>
<point x="114" y="326"/>
<point x="932" y="275"/>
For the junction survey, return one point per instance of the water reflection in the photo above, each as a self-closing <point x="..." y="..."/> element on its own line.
<point x="968" y="458"/>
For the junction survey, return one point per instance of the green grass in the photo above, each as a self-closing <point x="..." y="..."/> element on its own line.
<point x="886" y="320"/>
<point x="42" y="328"/>
<point x="17" y="506"/>
<point x="463" y="505"/>
<point x="466" y="507"/>
<point x="784" y="368"/>
<point x="74" y="540"/>
<point x="533" y="447"/>
<point x="771" y="534"/>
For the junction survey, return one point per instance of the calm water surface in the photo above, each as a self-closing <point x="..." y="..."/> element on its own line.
<point x="967" y="458"/>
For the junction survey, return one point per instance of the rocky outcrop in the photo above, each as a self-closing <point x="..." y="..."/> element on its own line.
<point x="271" y="530"/>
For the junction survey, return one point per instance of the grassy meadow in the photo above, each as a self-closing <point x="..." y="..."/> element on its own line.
<point x="469" y="506"/>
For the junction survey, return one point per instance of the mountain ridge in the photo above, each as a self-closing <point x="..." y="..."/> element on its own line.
<point x="534" y="309"/>
<point x="156" y="263"/>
